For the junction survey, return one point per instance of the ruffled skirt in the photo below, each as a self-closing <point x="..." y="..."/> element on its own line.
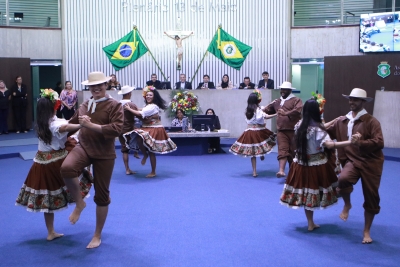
<point x="311" y="187"/>
<point x="44" y="189"/>
<point x="155" y="139"/>
<point x="254" y="142"/>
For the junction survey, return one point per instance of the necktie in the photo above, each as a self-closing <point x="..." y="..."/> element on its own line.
<point x="205" y="85"/>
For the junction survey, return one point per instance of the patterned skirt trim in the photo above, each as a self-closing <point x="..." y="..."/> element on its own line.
<point x="155" y="139"/>
<point x="254" y="143"/>
<point x="46" y="157"/>
<point x="313" y="159"/>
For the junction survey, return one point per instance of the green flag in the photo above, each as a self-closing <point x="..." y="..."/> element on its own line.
<point x="228" y="49"/>
<point x="126" y="50"/>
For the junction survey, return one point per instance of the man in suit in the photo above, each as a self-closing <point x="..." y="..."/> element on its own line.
<point x="19" y="104"/>
<point x="154" y="82"/>
<point x="183" y="84"/>
<point x="206" y="84"/>
<point x="266" y="82"/>
<point x="246" y="84"/>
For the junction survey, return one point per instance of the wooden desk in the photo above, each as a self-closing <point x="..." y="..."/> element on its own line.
<point x="192" y="143"/>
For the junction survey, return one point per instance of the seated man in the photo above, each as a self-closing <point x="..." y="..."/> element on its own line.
<point x="154" y="82"/>
<point x="246" y="84"/>
<point x="266" y="82"/>
<point x="183" y="84"/>
<point x="206" y="84"/>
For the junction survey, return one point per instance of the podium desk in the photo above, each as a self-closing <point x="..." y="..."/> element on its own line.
<point x="192" y="143"/>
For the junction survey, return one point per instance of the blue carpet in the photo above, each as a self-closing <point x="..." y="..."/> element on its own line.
<point x="199" y="211"/>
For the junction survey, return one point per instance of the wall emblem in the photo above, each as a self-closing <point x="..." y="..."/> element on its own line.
<point x="383" y="69"/>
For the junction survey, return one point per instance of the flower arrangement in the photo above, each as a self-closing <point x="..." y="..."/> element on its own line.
<point x="259" y="95"/>
<point x="185" y="100"/>
<point x="52" y="95"/>
<point x="320" y="100"/>
<point x="146" y="89"/>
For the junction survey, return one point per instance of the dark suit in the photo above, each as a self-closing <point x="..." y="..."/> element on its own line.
<point x="210" y="85"/>
<point x="19" y="105"/>
<point x="188" y="85"/>
<point x="250" y="86"/>
<point x="156" y="84"/>
<point x="270" y="84"/>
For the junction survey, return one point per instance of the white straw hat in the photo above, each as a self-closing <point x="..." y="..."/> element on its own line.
<point x="96" y="77"/>
<point x="359" y="93"/>
<point x="126" y="89"/>
<point x="286" y="85"/>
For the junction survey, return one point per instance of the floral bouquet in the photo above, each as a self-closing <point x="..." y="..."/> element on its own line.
<point x="52" y="95"/>
<point x="185" y="100"/>
<point x="320" y="100"/>
<point x="146" y="89"/>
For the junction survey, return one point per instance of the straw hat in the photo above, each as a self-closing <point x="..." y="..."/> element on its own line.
<point x="125" y="89"/>
<point x="287" y="85"/>
<point x="359" y="93"/>
<point x="96" y="77"/>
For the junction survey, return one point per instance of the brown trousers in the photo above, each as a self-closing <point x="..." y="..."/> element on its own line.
<point x="286" y="145"/>
<point x="77" y="160"/>
<point x="370" y="184"/>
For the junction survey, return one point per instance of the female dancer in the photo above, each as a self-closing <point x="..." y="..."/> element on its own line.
<point x="312" y="179"/>
<point x="151" y="138"/>
<point x="44" y="189"/>
<point x="256" y="140"/>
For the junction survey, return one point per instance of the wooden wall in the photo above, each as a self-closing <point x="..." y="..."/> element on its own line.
<point x="343" y="73"/>
<point x="9" y="69"/>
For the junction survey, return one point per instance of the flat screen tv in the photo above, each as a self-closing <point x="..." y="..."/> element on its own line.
<point x="203" y="122"/>
<point x="379" y="32"/>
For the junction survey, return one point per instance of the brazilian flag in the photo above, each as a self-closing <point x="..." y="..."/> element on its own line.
<point x="228" y="49"/>
<point x="126" y="50"/>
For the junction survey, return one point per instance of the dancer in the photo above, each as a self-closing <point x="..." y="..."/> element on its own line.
<point x="44" y="189"/>
<point x="362" y="161"/>
<point x="256" y="140"/>
<point x="311" y="180"/>
<point x="151" y="138"/>
<point x="101" y="118"/>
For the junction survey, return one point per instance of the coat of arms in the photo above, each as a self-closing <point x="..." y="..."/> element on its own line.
<point x="383" y="69"/>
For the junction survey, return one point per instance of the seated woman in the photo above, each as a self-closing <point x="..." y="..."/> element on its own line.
<point x="214" y="142"/>
<point x="178" y="120"/>
<point x="113" y="84"/>
<point x="225" y="84"/>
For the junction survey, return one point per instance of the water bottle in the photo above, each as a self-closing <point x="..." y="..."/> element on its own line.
<point x="184" y="124"/>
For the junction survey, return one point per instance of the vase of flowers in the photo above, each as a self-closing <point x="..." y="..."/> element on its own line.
<point x="185" y="100"/>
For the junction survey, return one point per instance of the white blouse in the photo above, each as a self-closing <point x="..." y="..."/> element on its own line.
<point x="258" y="117"/>
<point x="59" y="139"/>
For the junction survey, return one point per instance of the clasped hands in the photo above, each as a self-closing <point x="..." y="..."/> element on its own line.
<point x="355" y="138"/>
<point x="84" y="120"/>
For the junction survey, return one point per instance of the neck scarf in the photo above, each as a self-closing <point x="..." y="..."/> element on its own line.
<point x="287" y="98"/>
<point x="93" y="103"/>
<point x="352" y="120"/>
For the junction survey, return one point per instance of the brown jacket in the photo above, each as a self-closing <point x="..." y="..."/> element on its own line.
<point x="110" y="116"/>
<point x="129" y="118"/>
<point x="368" y="155"/>
<point x="293" y="106"/>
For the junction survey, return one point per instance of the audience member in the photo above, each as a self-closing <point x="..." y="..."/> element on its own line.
<point x="246" y="84"/>
<point x="183" y="84"/>
<point x="19" y="104"/>
<point x="5" y="97"/>
<point x="214" y="142"/>
<point x="58" y="89"/>
<point x="113" y="84"/>
<point x="225" y="83"/>
<point x="68" y="98"/>
<point x="266" y="82"/>
<point x="154" y="82"/>
<point x="179" y="119"/>
<point x="206" y="84"/>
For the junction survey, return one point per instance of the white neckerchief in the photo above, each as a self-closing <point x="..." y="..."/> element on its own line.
<point x="287" y="98"/>
<point x="352" y="120"/>
<point x="93" y="103"/>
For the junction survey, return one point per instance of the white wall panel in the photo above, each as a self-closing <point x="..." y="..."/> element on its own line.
<point x="90" y="25"/>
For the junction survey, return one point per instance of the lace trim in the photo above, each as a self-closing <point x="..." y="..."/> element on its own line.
<point x="46" y="157"/>
<point x="313" y="160"/>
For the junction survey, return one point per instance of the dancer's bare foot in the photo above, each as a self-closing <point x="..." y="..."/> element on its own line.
<point x="345" y="213"/>
<point x="145" y="156"/>
<point x="367" y="238"/>
<point x="94" y="243"/>
<point x="151" y="175"/>
<point x="255" y="174"/>
<point x="136" y="156"/>
<point x="74" y="217"/>
<point x="313" y="226"/>
<point x="129" y="172"/>
<point x="54" y="235"/>
<point x="280" y="174"/>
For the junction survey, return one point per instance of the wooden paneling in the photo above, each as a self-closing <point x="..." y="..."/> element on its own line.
<point x="342" y="74"/>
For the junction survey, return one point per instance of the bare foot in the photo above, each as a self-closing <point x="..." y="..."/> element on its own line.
<point x="255" y="174"/>
<point x="129" y="172"/>
<point x="280" y="174"/>
<point x="145" y="156"/>
<point x="151" y="175"/>
<point x="53" y="236"/>
<point x="94" y="243"/>
<point x="367" y="238"/>
<point x="136" y="156"/>
<point x="313" y="227"/>
<point x="74" y="217"/>
<point x="345" y="213"/>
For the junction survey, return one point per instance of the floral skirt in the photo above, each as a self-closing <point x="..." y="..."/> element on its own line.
<point x="311" y="187"/>
<point x="44" y="189"/>
<point x="254" y="142"/>
<point x="155" y="139"/>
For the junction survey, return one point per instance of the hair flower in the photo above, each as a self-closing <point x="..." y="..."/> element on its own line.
<point x="148" y="89"/>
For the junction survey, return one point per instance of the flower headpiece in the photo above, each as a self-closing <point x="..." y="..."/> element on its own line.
<point x="148" y="88"/>
<point x="320" y="100"/>
<point x="258" y="93"/>
<point x="52" y="95"/>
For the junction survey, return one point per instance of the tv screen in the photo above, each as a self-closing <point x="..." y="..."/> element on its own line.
<point x="206" y="120"/>
<point x="379" y="32"/>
